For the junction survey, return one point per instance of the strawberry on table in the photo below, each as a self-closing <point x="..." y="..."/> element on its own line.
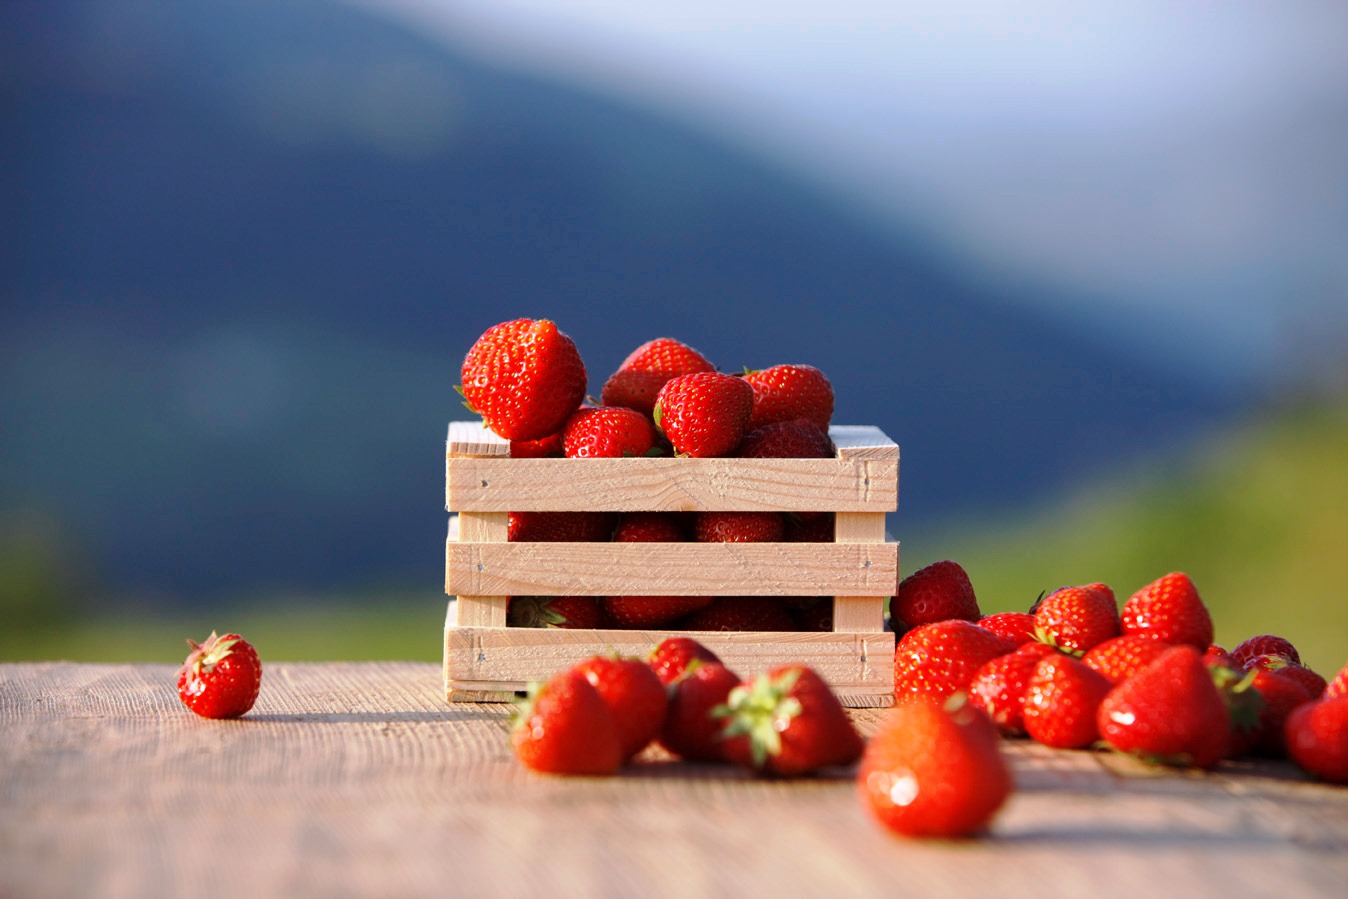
<point x="693" y="726"/>
<point x="1018" y="627"/>
<point x="1278" y="697"/>
<point x="934" y="770"/>
<point x="633" y="694"/>
<point x="221" y="676"/>
<point x="1061" y="701"/>
<point x="1169" y="609"/>
<point x="939" y="659"/>
<point x="1000" y="685"/>
<point x="524" y="377"/>
<point x="1317" y="738"/>
<point x="671" y="656"/>
<point x="1119" y="658"/>
<point x="787" y="392"/>
<point x="787" y="723"/>
<point x="1074" y="619"/>
<point x="563" y="726"/>
<point x="1169" y="712"/>
<point x="612" y="432"/>
<point x="937" y="592"/>
<point x="646" y="369"/>
<point x="571" y="612"/>
<point x="705" y="414"/>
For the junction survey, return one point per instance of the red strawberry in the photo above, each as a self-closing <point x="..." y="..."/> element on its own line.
<point x="1265" y="645"/>
<point x="788" y="723"/>
<point x="787" y="392"/>
<point x="1169" y="712"/>
<point x="555" y="611"/>
<point x="796" y="439"/>
<point x="1216" y="655"/>
<point x="559" y="527"/>
<point x="1279" y="695"/>
<point x="563" y="726"/>
<point x="692" y="729"/>
<point x="934" y="770"/>
<point x="939" y="659"/>
<point x="650" y="527"/>
<point x="646" y="369"/>
<point x="1018" y="627"/>
<point x="938" y="592"/>
<point x="1169" y="609"/>
<point x="739" y="527"/>
<point x="221" y="677"/>
<point x="549" y="447"/>
<point x="1076" y="618"/>
<point x="1311" y="680"/>
<point x="741" y="613"/>
<point x="611" y="432"/>
<point x="999" y="686"/>
<point x="1338" y="686"/>
<point x="1061" y="700"/>
<point x="809" y="528"/>
<point x="1317" y="738"/>
<point x="634" y="696"/>
<point x="704" y="414"/>
<point x="672" y="655"/>
<point x="636" y="612"/>
<point x="1119" y="658"/>
<point x="524" y="377"/>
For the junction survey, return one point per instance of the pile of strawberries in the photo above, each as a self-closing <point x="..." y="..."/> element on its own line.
<point x="527" y="380"/>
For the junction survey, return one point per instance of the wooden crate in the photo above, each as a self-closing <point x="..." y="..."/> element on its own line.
<point x="486" y="660"/>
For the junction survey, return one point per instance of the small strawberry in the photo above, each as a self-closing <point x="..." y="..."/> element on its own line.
<point x="1000" y="685"/>
<point x="741" y="613"/>
<point x="941" y="658"/>
<point x="524" y="377"/>
<point x="705" y="414"/>
<point x="650" y="527"/>
<point x="796" y="439"/>
<point x="633" y="694"/>
<point x="739" y="527"/>
<point x="938" y="592"/>
<point x="559" y="527"/>
<point x="1169" y="609"/>
<point x="563" y="726"/>
<point x="1278" y="695"/>
<point x="646" y="369"/>
<point x="787" y="723"/>
<point x="692" y="728"/>
<point x="549" y="447"/>
<point x="1169" y="712"/>
<point x="788" y="392"/>
<point x="1018" y="627"/>
<point x="569" y="612"/>
<point x="934" y="770"/>
<point x="1119" y="658"/>
<point x="1311" y="680"/>
<point x="221" y="677"/>
<point x="608" y="432"/>
<point x="1061" y="700"/>
<point x="672" y="655"/>
<point x="1264" y="645"/>
<point x="1317" y="738"/>
<point x="637" y="612"/>
<point x="1076" y="618"/>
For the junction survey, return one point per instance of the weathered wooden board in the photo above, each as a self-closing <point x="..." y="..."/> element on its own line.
<point x="356" y="779"/>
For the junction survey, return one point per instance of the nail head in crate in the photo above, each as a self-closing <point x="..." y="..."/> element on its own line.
<point x="487" y="660"/>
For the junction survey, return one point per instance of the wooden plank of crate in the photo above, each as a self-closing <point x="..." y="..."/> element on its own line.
<point x="861" y="613"/>
<point x="858" y="666"/>
<point x="477" y="608"/>
<point x="659" y="569"/>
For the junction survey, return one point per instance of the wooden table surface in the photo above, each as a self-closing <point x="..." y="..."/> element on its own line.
<point x="358" y="779"/>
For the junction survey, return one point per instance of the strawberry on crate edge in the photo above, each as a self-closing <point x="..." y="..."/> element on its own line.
<point x="524" y="377"/>
<point x="221" y="677"/>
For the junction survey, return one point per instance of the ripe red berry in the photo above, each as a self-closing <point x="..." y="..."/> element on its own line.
<point x="1169" y="712"/>
<point x="1074" y="619"/>
<point x="524" y="377"/>
<point x="221" y="677"/>
<point x="939" y="659"/>
<point x="672" y="655"/>
<point x="938" y="592"/>
<point x="787" y="392"/>
<point x="563" y="726"/>
<point x="1317" y="738"/>
<point x="633" y="694"/>
<point x="1061" y="700"/>
<point x="788" y="723"/>
<point x="1169" y="609"/>
<point x="646" y="369"/>
<point x="607" y="432"/>
<point x="705" y="414"/>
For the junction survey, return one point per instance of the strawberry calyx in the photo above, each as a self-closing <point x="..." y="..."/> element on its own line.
<point x="1048" y="638"/>
<point x="760" y="710"/>
<point x="205" y="656"/>
<point x="1244" y="703"/>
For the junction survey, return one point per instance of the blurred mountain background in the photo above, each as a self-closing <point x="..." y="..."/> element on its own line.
<point x="245" y="246"/>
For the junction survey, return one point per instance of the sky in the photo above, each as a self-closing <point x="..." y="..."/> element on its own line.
<point x="1174" y="171"/>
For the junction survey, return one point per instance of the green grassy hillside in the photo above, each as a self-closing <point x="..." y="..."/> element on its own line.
<point x="1257" y="517"/>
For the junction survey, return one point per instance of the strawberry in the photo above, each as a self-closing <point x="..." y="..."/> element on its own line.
<point x="1338" y="686"/>
<point x="524" y="377"/>
<point x="796" y="439"/>
<point x="671" y="656"/>
<point x="594" y="432"/>
<point x="636" y="612"/>
<point x="650" y="527"/>
<point x="1264" y="645"/>
<point x="787" y="723"/>
<point x="705" y="414"/>
<point x="1317" y="738"/>
<point x="646" y="369"/>
<point x="941" y="658"/>
<point x="1278" y="695"/>
<point x="1169" y="609"/>
<point x="1061" y="700"/>
<point x="564" y="726"/>
<point x="741" y="613"/>
<point x="1119" y="658"/>
<point x="555" y="611"/>
<point x="549" y="447"/>
<point x="221" y="677"/>
<point x="1216" y="655"/>
<point x="1076" y="618"/>
<point x="693" y="725"/>
<point x="939" y="591"/>
<point x="788" y="392"/>
<point x="1018" y="627"/>
<point x="634" y="695"/>
<point x="739" y="527"/>
<point x="1311" y="680"/>
<point x="999" y="686"/>
<point x="934" y="770"/>
<point x="559" y="527"/>
<point x="809" y="528"/>
<point x="1169" y="712"/>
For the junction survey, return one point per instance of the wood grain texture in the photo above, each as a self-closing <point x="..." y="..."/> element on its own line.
<point x="355" y="780"/>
